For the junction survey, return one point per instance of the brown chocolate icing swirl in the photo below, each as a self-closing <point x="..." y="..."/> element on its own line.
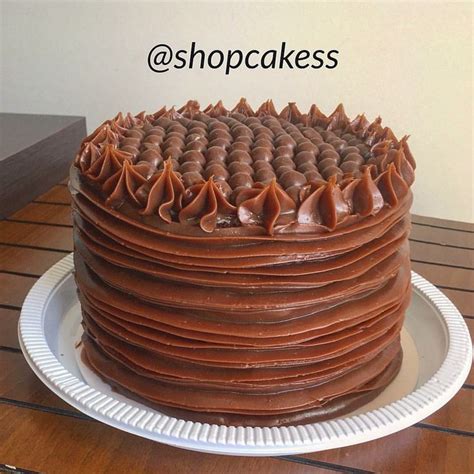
<point x="165" y="193"/>
<point x="333" y="206"/>
<point x="207" y="206"/>
<point x="244" y="108"/>
<point x="359" y="125"/>
<point x="123" y="184"/>
<point x="366" y="197"/>
<point x="156" y="115"/>
<point x="103" y="135"/>
<point x="308" y="212"/>
<point x="190" y="109"/>
<point x="326" y="204"/>
<point x="317" y="118"/>
<point x="407" y="152"/>
<point x="391" y="185"/>
<point x="403" y="167"/>
<point x="89" y="156"/>
<point x="110" y="161"/>
<point x="267" y="108"/>
<point x="338" y="119"/>
<point x="268" y="206"/>
<point x="216" y="110"/>
<point x="291" y="113"/>
<point x="171" y="114"/>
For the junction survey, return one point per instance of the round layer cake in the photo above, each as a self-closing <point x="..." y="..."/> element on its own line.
<point x="243" y="267"/>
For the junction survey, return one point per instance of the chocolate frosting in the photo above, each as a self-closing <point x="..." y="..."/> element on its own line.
<point x="240" y="266"/>
<point x="266" y="206"/>
<point x="123" y="184"/>
<point x="207" y="205"/>
<point x="290" y="151"/>
<point x="164" y="193"/>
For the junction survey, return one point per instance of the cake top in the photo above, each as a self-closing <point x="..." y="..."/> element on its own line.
<point x="220" y="168"/>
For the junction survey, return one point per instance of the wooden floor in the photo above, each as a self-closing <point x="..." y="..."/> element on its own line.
<point x="40" y="432"/>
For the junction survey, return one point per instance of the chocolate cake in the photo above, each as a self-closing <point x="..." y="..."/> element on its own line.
<point x="243" y="267"/>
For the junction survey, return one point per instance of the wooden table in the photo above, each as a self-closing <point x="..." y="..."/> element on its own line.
<point x="40" y="432"/>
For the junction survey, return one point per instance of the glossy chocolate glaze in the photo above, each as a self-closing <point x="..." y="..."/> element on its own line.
<point x="243" y="267"/>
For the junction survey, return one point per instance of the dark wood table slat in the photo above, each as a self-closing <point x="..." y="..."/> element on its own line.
<point x="14" y="288"/>
<point x="444" y="223"/>
<point x="56" y="444"/>
<point x="409" y="451"/>
<point x="412" y="450"/>
<point x="57" y="194"/>
<point x="44" y="213"/>
<point x="27" y="260"/>
<point x="449" y="256"/>
<point x="8" y="328"/>
<point x="442" y="237"/>
<point x="461" y="278"/>
<point x="36" y="235"/>
<point x="457" y="414"/>
<point x="463" y="300"/>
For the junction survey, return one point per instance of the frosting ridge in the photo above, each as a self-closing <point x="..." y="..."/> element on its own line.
<point x="267" y="206"/>
<point x="206" y="205"/>
<point x="164" y="193"/>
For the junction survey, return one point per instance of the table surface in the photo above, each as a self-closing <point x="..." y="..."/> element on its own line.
<point x="40" y="432"/>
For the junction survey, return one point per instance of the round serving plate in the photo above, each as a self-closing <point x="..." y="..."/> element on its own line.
<point x="437" y="358"/>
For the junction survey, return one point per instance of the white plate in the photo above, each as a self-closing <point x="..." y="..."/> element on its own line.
<point x="437" y="359"/>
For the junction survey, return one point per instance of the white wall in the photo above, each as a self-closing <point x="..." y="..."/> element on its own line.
<point x="410" y="63"/>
